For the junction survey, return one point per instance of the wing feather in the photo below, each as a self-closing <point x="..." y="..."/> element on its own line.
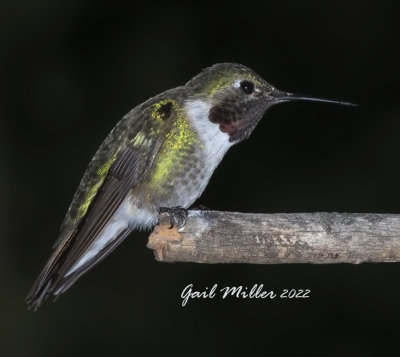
<point x="117" y="167"/>
<point x="124" y="174"/>
<point x="74" y="245"/>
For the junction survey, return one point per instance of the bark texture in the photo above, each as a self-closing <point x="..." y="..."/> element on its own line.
<point x="232" y="237"/>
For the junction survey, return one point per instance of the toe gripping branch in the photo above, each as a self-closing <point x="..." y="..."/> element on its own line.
<point x="177" y="216"/>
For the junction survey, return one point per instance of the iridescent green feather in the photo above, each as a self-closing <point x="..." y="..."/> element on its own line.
<point x="140" y="129"/>
<point x="180" y="140"/>
<point x="93" y="179"/>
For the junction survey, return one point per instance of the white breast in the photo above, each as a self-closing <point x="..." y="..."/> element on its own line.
<point x="216" y="143"/>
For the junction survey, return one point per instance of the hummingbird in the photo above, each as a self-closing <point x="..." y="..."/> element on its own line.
<point x="159" y="157"/>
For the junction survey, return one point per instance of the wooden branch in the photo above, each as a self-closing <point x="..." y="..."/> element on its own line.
<point x="231" y="237"/>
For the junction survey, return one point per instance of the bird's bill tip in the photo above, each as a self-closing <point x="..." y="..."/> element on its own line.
<point x="289" y="97"/>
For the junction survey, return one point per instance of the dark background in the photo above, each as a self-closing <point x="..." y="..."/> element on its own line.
<point x="69" y="70"/>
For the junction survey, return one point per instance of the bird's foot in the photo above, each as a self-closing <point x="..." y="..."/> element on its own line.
<point x="177" y="215"/>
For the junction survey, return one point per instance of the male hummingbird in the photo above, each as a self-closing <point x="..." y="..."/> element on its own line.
<point x="160" y="155"/>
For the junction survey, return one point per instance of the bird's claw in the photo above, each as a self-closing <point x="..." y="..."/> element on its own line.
<point x="177" y="216"/>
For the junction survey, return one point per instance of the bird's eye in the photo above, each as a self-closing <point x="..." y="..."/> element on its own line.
<point x="247" y="87"/>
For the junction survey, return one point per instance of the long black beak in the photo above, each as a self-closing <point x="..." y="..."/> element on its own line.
<point x="280" y="96"/>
